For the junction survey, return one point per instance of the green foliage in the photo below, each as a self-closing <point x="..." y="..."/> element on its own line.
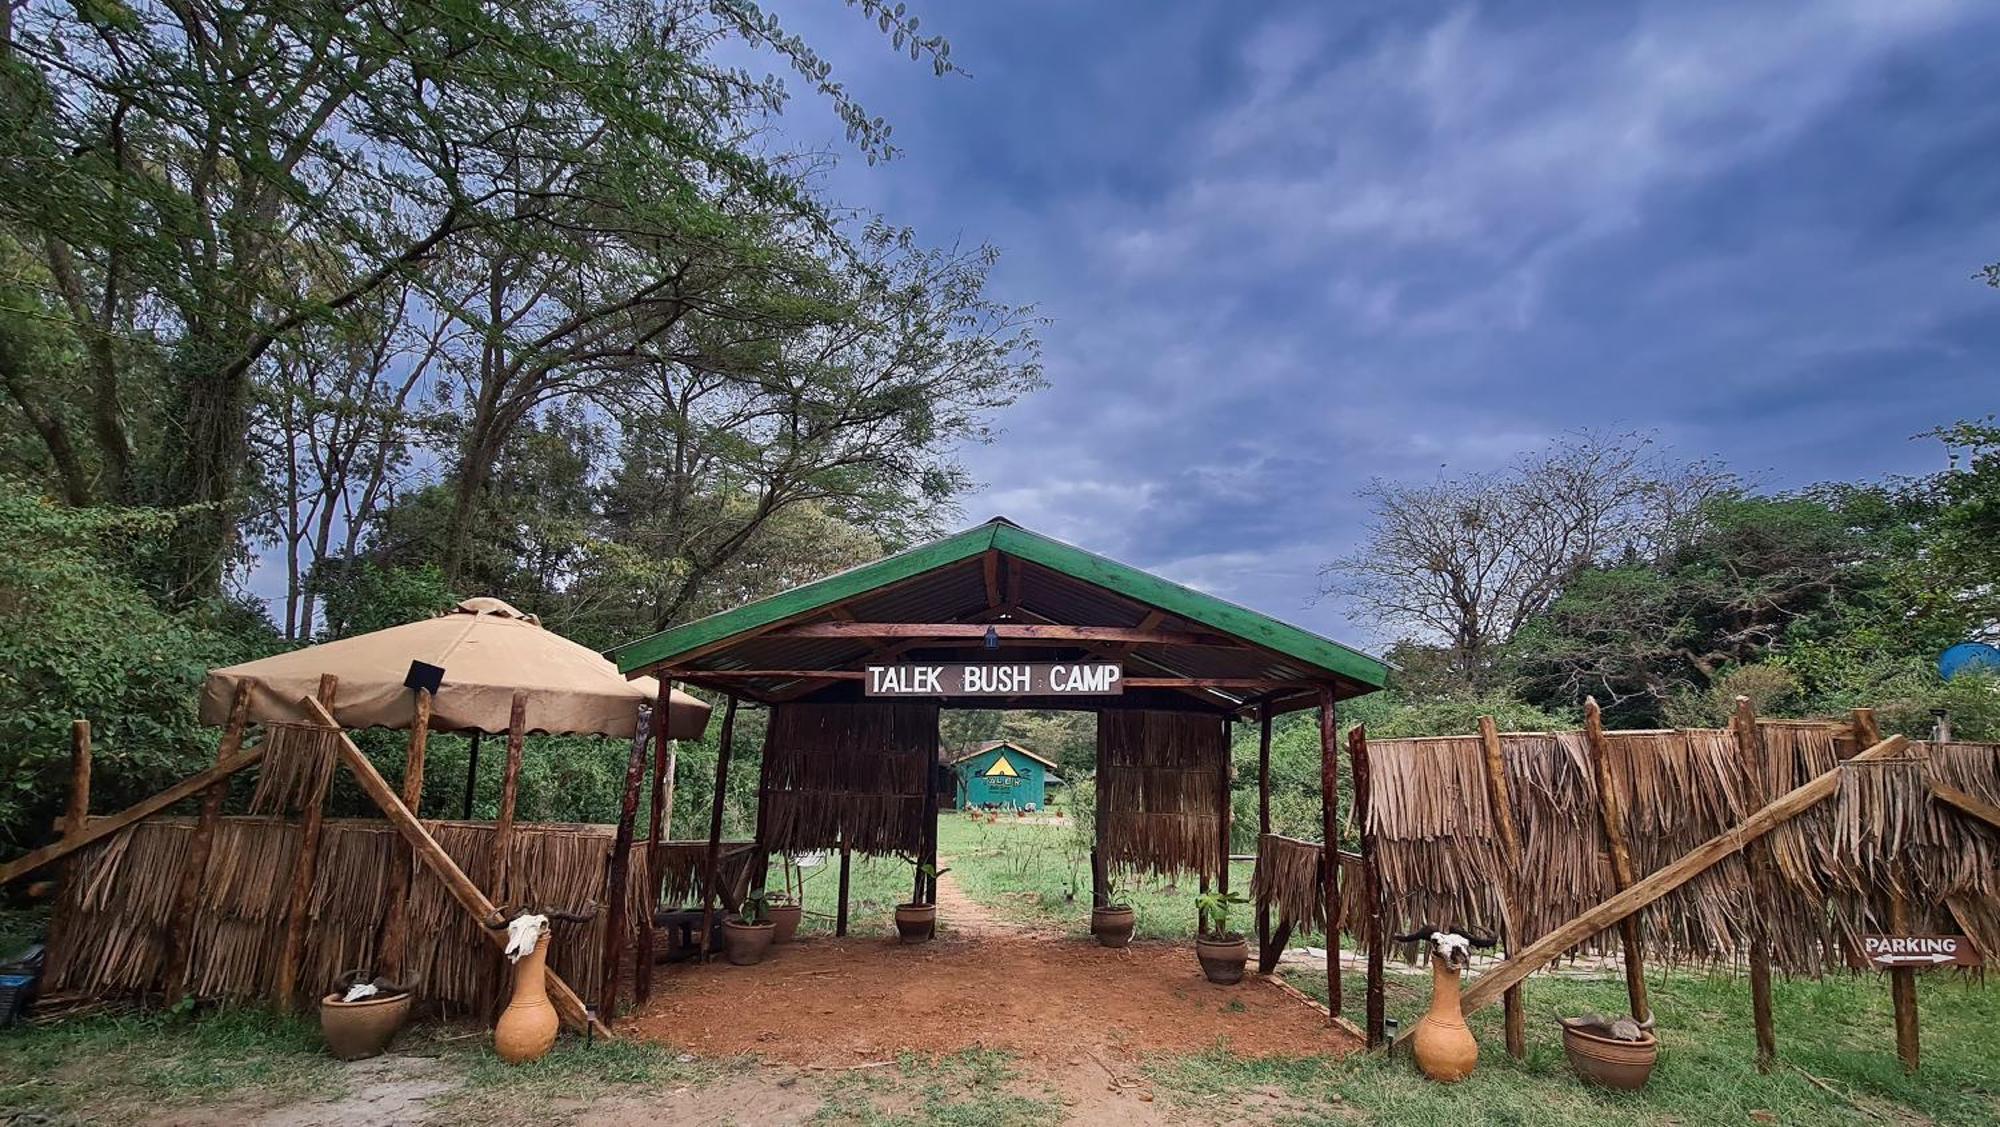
<point x="360" y="596"/>
<point x="1215" y="908"/>
<point x="80" y="639"/>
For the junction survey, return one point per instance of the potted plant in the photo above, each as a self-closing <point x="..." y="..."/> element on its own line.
<point x="746" y="938"/>
<point x="1112" y="924"/>
<point x="787" y="908"/>
<point x="1222" y="952"/>
<point x="361" y="1016"/>
<point x="916" y="921"/>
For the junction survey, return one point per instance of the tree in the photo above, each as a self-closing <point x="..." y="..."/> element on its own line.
<point x="1464" y="562"/>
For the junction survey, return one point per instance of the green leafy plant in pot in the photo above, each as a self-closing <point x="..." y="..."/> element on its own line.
<point x="787" y="908"/>
<point x="916" y="921"/>
<point x="1222" y="952"/>
<point x="1112" y="923"/>
<point x="747" y="936"/>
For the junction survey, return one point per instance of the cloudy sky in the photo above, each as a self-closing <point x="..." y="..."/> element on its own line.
<point x="1285" y="247"/>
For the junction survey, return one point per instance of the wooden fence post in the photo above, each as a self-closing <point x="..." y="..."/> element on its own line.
<point x="1500" y="797"/>
<point x="1371" y="882"/>
<point x="1329" y="817"/>
<point x="1902" y="980"/>
<point x="510" y="792"/>
<point x="840" y="913"/>
<point x="662" y="812"/>
<point x="391" y="947"/>
<point x="1757" y="858"/>
<point x="619" y="876"/>
<point x="305" y="865"/>
<point x="1224" y="813"/>
<point x="78" y="811"/>
<point x="1613" y="817"/>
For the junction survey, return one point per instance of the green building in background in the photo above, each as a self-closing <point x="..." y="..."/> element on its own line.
<point x="1005" y="774"/>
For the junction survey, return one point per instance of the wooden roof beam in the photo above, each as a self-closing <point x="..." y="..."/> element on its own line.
<point x="1019" y="632"/>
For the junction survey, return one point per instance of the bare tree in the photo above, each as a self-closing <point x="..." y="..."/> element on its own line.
<point x="1463" y="562"/>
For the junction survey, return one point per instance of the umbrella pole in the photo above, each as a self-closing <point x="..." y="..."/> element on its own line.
<point x="471" y="774"/>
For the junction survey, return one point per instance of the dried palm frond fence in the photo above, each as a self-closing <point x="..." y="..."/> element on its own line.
<point x="1777" y="842"/>
<point x="274" y="904"/>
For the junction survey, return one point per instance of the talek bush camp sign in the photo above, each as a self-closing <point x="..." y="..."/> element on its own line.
<point x="996" y="679"/>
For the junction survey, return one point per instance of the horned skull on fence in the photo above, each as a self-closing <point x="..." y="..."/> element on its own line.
<point x="1453" y="945"/>
<point x="526" y="926"/>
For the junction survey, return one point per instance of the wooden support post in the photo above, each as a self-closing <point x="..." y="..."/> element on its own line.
<point x="1613" y="818"/>
<point x="760" y="865"/>
<point x="711" y="878"/>
<point x="1329" y="816"/>
<point x="840" y="912"/>
<point x="662" y="811"/>
<point x="78" y="811"/>
<point x="930" y="825"/>
<point x="1501" y="799"/>
<point x="1224" y="813"/>
<point x="433" y="857"/>
<point x="619" y="877"/>
<point x="1100" y="816"/>
<point x="1902" y="980"/>
<point x="1267" y="959"/>
<point x="305" y="865"/>
<point x="1652" y="887"/>
<point x="471" y="774"/>
<point x="510" y="791"/>
<point x="1757" y="859"/>
<point x="1371" y="883"/>
<point x="392" y="945"/>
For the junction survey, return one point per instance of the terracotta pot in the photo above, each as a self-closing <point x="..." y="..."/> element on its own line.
<point x="355" y="1030"/>
<point x="1624" y="1065"/>
<point x="1112" y="926"/>
<point x="916" y="923"/>
<point x="785" y="919"/>
<point x="1444" y="1048"/>
<point x="746" y="944"/>
<point x="527" y="1028"/>
<point x="1222" y="959"/>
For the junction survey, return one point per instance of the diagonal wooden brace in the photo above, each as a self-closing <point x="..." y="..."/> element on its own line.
<point x="434" y="858"/>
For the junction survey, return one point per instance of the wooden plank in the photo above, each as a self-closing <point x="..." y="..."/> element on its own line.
<point x="434" y="858"/>
<point x="989" y="568"/>
<point x="391" y="946"/>
<point x="1757" y="858"/>
<point x="1016" y="633"/>
<point x="1510" y="903"/>
<point x="1692" y="864"/>
<point x="305" y="865"/>
<point x="1984" y="811"/>
<point x="510" y="792"/>
<point x="1267" y="959"/>
<point x="1613" y="819"/>
<point x="1329" y="817"/>
<point x="1371" y="885"/>
<point x="711" y="878"/>
<point x="618" y="874"/>
<point x="194" y="870"/>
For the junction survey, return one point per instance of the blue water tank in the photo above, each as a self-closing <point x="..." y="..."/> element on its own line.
<point x="1968" y="655"/>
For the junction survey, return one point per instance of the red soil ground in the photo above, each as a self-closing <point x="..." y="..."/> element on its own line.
<point x="843" y="1002"/>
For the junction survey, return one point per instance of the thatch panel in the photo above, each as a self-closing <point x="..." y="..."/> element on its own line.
<point x="298" y="761"/>
<point x="682" y="864"/>
<point x="1437" y="847"/>
<point x="1288" y="877"/>
<point x="1160" y="788"/>
<point x="1554" y="794"/>
<point x="847" y="771"/>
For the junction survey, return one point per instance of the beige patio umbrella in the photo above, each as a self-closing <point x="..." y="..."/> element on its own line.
<point x="488" y="650"/>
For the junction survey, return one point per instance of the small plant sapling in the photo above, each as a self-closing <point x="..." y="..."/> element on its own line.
<point x="1214" y="909"/>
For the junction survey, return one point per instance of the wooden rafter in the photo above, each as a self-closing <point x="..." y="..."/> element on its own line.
<point x="1019" y="633"/>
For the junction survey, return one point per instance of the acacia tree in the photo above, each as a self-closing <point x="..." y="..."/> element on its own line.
<point x="1463" y="563"/>
<point x="175" y="162"/>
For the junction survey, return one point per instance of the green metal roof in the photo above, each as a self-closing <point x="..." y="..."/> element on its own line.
<point x="1321" y="655"/>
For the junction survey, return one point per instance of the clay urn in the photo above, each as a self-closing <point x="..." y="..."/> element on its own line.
<point x="527" y="1029"/>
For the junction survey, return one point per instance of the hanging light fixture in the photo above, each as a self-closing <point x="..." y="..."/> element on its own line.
<point x="992" y="638"/>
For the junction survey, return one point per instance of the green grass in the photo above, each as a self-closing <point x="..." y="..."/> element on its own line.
<point x="137" y="1063"/>
<point x="1836" y="1048"/>
<point x="875" y="886"/>
<point x="975" y="1087"/>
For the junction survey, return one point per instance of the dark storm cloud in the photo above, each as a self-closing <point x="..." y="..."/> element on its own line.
<point x="1285" y="248"/>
